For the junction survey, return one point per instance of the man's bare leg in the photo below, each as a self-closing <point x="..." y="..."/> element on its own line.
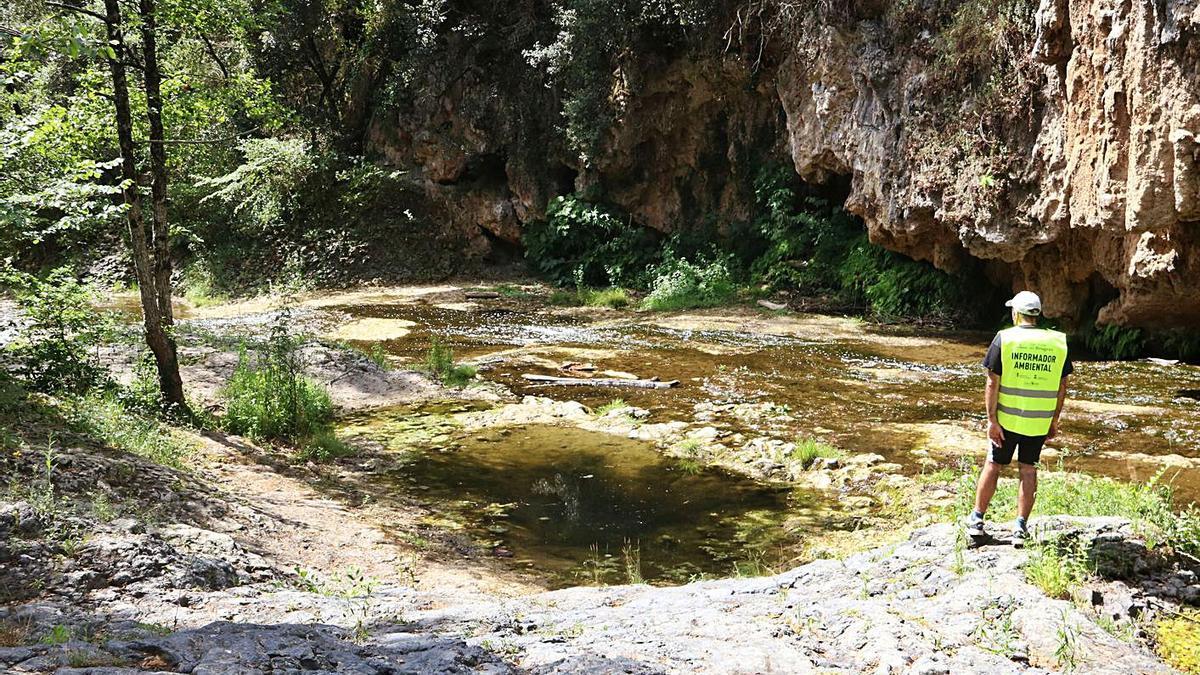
<point x="1028" y="491"/>
<point x="987" y="486"/>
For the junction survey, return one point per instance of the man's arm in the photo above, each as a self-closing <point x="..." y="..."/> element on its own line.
<point x="991" y="394"/>
<point x="1062" y="397"/>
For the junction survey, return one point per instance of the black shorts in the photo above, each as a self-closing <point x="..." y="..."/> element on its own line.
<point x="1029" y="448"/>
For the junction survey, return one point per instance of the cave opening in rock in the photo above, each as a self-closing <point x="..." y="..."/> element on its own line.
<point x="500" y="251"/>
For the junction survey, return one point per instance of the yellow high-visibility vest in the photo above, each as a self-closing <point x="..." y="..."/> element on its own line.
<point x="1032" y="362"/>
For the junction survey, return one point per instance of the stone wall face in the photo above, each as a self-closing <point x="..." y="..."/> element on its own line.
<point x="1095" y="202"/>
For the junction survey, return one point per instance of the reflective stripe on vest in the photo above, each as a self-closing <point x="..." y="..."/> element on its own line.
<point x="1032" y="362"/>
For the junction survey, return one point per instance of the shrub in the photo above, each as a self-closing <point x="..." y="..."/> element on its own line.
<point x="56" y="349"/>
<point x="890" y="285"/>
<point x="816" y="247"/>
<point x="268" y="397"/>
<point x="1113" y="342"/>
<point x="585" y="244"/>
<point x="677" y="283"/>
<point x="807" y="237"/>
<point x="265" y="400"/>
<point x="440" y="364"/>
<point x="262" y="191"/>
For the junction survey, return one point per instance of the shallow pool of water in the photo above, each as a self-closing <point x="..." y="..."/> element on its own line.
<point x="576" y="506"/>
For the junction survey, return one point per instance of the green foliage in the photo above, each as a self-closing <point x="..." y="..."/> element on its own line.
<point x="57" y="350"/>
<point x="816" y="248"/>
<point x="1177" y="640"/>
<point x="615" y="298"/>
<point x="1149" y="505"/>
<point x="58" y="149"/>
<point x="1177" y="343"/>
<point x="585" y="244"/>
<point x="440" y="364"/>
<point x="1114" y="342"/>
<point x="198" y="284"/>
<point x="809" y="450"/>
<point x="677" y="283"/>
<point x="893" y="286"/>
<point x="105" y="417"/>
<point x="807" y="237"/>
<point x="263" y="189"/>
<point x="323" y="446"/>
<point x="57" y="635"/>
<point x="1057" y="568"/>
<point x="585" y="57"/>
<point x="268" y="397"/>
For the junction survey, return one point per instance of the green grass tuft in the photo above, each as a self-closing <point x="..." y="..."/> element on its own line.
<point x="323" y="446"/>
<point x="1057" y="568"/>
<point x="105" y="417"/>
<point x="615" y="404"/>
<point x="810" y="449"/>
<point x="616" y="298"/>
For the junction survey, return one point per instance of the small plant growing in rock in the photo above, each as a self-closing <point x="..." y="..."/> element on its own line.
<point x="1057" y="568"/>
<point x="57" y="635"/>
<point x="1067" y="652"/>
<point x="632" y="554"/>
<point x="611" y="406"/>
<point x="810" y="449"/>
<point x="440" y="364"/>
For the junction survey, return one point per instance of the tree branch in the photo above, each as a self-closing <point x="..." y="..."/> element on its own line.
<point x="9" y="31"/>
<point x="212" y="51"/>
<point x="79" y="10"/>
<point x="203" y="141"/>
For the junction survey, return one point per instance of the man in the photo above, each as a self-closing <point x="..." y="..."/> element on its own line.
<point x="1026" y="386"/>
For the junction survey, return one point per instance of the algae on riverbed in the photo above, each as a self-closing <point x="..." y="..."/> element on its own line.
<point x="576" y="504"/>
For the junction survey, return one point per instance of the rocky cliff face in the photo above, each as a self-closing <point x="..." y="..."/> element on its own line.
<point x="1098" y="201"/>
<point x="1069" y="165"/>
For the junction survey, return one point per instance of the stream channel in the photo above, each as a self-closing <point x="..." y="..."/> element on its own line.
<point x="573" y="505"/>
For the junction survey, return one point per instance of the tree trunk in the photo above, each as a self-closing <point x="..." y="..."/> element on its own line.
<point x="151" y="266"/>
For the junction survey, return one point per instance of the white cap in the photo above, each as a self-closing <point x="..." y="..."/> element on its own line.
<point x="1026" y="302"/>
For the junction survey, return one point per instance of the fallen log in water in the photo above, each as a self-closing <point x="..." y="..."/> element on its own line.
<point x="653" y="383"/>
<point x="482" y="295"/>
